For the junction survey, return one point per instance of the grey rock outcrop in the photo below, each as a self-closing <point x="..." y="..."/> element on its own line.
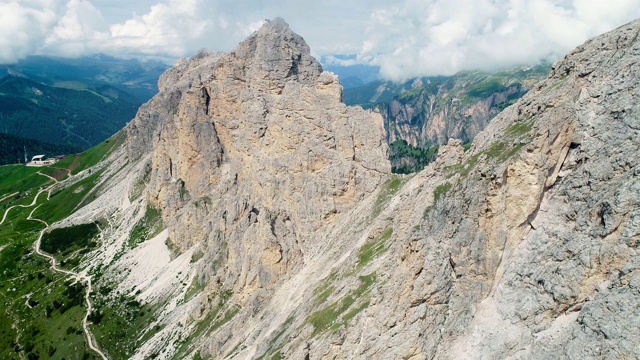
<point x="526" y="248"/>
<point x="252" y="152"/>
<point x="523" y="247"/>
<point x="530" y="250"/>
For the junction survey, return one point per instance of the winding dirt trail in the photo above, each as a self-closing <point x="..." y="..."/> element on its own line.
<point x="93" y="345"/>
<point x="35" y="199"/>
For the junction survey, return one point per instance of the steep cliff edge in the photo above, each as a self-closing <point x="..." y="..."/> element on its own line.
<point x="435" y="110"/>
<point x="285" y="235"/>
<point x="253" y="135"/>
<point x="526" y="246"/>
<point x="252" y="155"/>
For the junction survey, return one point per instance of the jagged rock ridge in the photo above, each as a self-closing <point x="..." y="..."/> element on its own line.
<point x="252" y="154"/>
<point x="525" y="246"/>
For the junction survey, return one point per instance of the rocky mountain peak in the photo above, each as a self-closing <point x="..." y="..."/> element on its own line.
<point x="273" y="55"/>
<point x="290" y="239"/>
<point x="255" y="150"/>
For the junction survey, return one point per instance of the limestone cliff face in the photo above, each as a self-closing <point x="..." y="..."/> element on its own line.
<point x="523" y="247"/>
<point x="430" y="111"/>
<point x="526" y="246"/>
<point x="434" y="118"/>
<point x="253" y="151"/>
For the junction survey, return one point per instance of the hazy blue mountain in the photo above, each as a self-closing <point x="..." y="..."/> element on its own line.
<point x="351" y="76"/>
<point x="129" y="75"/>
<point x="80" y="117"/>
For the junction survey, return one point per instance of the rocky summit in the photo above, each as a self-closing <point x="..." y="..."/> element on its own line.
<point x="280" y="232"/>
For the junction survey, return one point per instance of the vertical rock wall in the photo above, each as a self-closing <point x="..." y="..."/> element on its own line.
<point x="253" y="151"/>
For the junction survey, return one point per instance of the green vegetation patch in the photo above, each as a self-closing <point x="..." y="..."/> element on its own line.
<point x="335" y="315"/>
<point x="196" y="287"/>
<point x="65" y="240"/>
<point x="372" y="249"/>
<point x="197" y="255"/>
<point x="388" y="190"/>
<point x="147" y="227"/>
<point x="19" y="178"/>
<point x="56" y="172"/>
<point x="440" y="191"/>
<point x="495" y="150"/>
<point x="485" y="88"/>
<point x="409" y="94"/>
<point x="463" y="168"/>
<point x="120" y="323"/>
<point x="519" y="128"/>
<point x="500" y="151"/>
<point x="325" y="290"/>
<point x="406" y="158"/>
<point x="219" y="315"/>
<point x="27" y="283"/>
<point x="65" y="201"/>
<point x="29" y="287"/>
<point x="323" y="293"/>
<point x="355" y="311"/>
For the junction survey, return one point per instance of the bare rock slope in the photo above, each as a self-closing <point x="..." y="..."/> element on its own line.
<point x="523" y="247"/>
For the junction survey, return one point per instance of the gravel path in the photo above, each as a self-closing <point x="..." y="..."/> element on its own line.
<point x="54" y="266"/>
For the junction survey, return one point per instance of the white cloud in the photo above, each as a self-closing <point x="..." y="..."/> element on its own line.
<point x="80" y="30"/>
<point x="405" y="38"/>
<point x="437" y="37"/>
<point x="24" y="26"/>
<point x="170" y="28"/>
<point x="167" y="29"/>
<point x="332" y="60"/>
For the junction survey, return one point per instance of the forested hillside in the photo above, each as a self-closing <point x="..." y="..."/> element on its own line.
<point x="12" y="149"/>
<point x="76" y="117"/>
<point x="129" y="75"/>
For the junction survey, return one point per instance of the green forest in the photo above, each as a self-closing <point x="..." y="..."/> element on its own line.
<point x="406" y="159"/>
<point x="79" y="118"/>
<point x="12" y="149"/>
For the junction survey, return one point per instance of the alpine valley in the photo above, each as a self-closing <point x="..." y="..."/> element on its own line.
<point x="246" y="212"/>
<point x="69" y="104"/>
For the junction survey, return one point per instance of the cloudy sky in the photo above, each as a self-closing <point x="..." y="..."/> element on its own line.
<point x="405" y="38"/>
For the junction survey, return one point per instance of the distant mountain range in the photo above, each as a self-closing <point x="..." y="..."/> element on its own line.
<point x="423" y="113"/>
<point x="71" y="104"/>
<point x="135" y="77"/>
<point x="77" y="117"/>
